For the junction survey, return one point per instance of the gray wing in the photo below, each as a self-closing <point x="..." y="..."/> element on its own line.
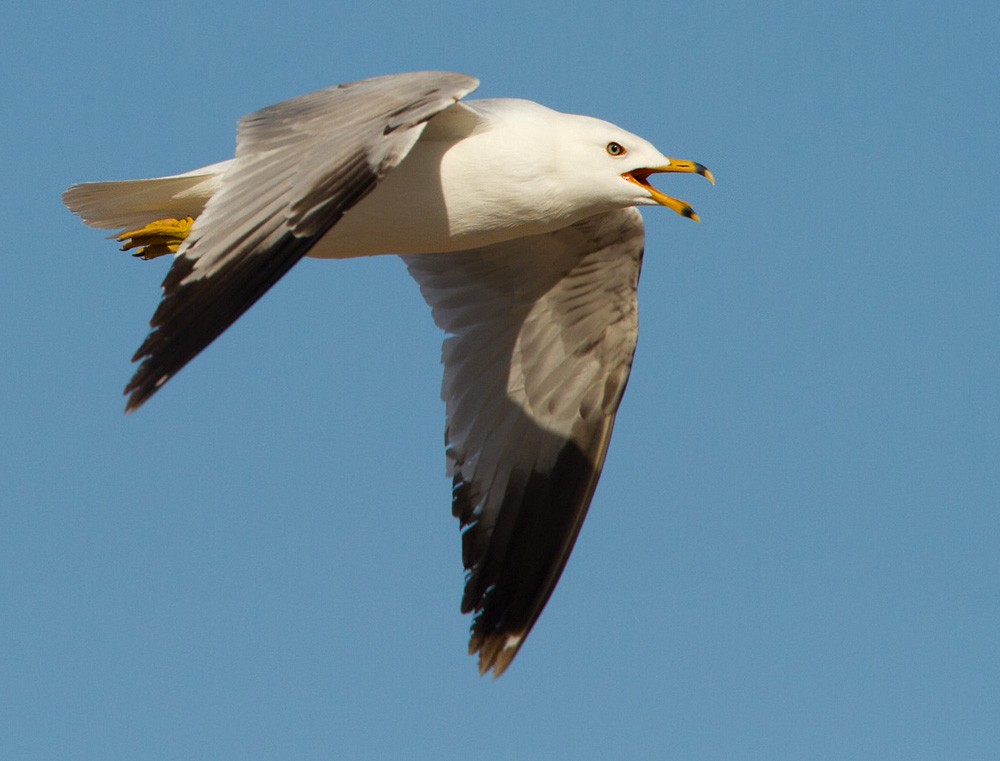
<point x="540" y="337"/>
<point x="299" y="166"/>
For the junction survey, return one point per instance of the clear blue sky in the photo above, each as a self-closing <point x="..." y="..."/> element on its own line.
<point x="794" y="551"/>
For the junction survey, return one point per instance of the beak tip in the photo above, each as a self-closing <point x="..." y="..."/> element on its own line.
<point x="705" y="172"/>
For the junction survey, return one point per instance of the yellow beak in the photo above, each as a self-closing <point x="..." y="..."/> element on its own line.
<point x="641" y="176"/>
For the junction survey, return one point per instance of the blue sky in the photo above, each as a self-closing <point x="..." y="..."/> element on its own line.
<point x="794" y="550"/>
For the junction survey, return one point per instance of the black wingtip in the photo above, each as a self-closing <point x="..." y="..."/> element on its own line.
<point x="497" y="652"/>
<point x="541" y="519"/>
<point x="140" y="389"/>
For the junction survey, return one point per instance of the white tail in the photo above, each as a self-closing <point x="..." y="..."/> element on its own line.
<point x="135" y="203"/>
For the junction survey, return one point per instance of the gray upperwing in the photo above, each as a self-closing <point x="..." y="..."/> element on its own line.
<point x="540" y="337"/>
<point x="299" y="166"/>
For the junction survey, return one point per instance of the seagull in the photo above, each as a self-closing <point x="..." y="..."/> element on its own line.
<point x="518" y="224"/>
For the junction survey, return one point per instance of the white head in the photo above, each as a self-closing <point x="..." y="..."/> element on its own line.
<point x="609" y="164"/>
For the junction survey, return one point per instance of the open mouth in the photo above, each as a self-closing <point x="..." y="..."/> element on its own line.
<point x="640" y="177"/>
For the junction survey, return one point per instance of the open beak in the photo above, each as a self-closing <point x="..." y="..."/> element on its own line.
<point x="641" y="178"/>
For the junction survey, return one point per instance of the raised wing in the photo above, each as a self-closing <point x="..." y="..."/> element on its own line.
<point x="541" y="334"/>
<point x="299" y="166"/>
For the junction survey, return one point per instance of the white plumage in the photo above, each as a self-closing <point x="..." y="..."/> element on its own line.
<point x="517" y="222"/>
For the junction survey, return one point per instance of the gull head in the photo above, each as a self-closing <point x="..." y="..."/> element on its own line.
<point x="615" y="165"/>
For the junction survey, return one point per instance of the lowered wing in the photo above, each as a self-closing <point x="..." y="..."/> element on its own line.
<point x="540" y="337"/>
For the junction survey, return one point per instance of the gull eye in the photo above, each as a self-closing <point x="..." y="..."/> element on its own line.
<point x="615" y="149"/>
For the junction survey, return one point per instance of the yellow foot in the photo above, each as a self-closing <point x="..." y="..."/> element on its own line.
<point x="164" y="236"/>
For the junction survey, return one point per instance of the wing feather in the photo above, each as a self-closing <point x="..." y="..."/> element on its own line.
<point x="299" y="166"/>
<point x="540" y="337"/>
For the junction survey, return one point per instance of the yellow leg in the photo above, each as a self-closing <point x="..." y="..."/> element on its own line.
<point x="164" y="236"/>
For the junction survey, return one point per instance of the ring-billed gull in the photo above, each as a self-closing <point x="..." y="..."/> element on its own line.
<point x="518" y="223"/>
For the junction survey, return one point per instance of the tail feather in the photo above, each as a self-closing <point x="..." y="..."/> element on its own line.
<point x="136" y="203"/>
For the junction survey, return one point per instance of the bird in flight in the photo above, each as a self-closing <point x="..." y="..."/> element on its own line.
<point x="518" y="224"/>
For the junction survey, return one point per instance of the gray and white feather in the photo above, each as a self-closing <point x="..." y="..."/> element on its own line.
<point x="518" y="224"/>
